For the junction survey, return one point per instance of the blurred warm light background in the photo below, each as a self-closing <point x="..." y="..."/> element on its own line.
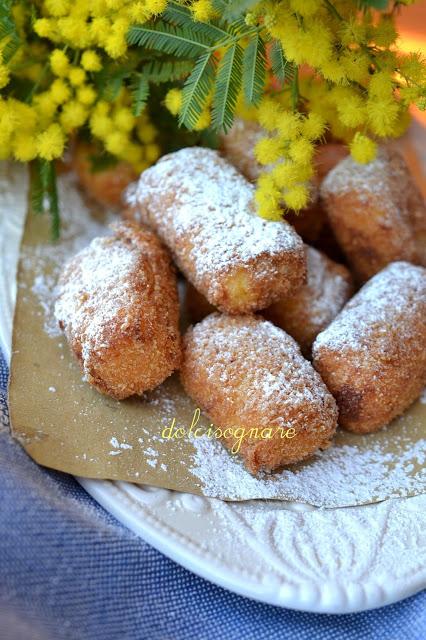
<point x="411" y="23"/>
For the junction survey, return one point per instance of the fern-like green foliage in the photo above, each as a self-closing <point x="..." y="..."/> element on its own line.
<point x="196" y="90"/>
<point x="158" y="71"/>
<point x="227" y="87"/>
<point x="140" y="92"/>
<point x="195" y="45"/>
<point x="181" y="41"/>
<point x="9" y="36"/>
<point x="181" y="16"/>
<point x="110" y="80"/>
<point x="281" y="68"/>
<point x="254" y="70"/>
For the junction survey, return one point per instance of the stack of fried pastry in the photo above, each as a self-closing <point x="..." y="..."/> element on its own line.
<point x="278" y="342"/>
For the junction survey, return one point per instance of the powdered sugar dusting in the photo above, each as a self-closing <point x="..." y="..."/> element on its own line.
<point x="214" y="213"/>
<point x="331" y="478"/>
<point x="388" y="300"/>
<point x="331" y="284"/>
<point x="88" y="309"/>
<point x="269" y="362"/>
<point x="339" y="476"/>
<point x="377" y="178"/>
<point x="77" y="229"/>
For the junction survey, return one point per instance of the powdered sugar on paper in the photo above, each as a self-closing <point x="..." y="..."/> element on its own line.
<point x="77" y="230"/>
<point x="339" y="476"/>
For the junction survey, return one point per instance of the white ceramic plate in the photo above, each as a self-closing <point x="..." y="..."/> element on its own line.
<point x="290" y="555"/>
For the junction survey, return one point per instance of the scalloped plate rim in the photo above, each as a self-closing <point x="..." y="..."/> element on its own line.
<point x="105" y="493"/>
<point x="100" y="490"/>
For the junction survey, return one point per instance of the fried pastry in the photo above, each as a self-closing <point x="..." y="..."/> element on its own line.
<point x="238" y="148"/>
<point x="372" y="356"/>
<point x="327" y="156"/>
<point x="246" y="374"/>
<point x="238" y="144"/>
<point x="118" y="307"/>
<point x="312" y="307"/>
<point x="203" y="210"/>
<point x="374" y="210"/>
<point x="105" y="186"/>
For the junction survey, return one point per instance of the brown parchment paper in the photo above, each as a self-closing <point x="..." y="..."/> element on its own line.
<point x="64" y="424"/>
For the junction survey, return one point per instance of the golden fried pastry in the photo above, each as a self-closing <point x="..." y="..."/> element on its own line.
<point x="250" y="378"/>
<point x="118" y="307"/>
<point x="416" y="207"/>
<point x="312" y="307"/>
<point x="203" y="210"/>
<point x="305" y="313"/>
<point x="372" y="356"/>
<point x="238" y="148"/>
<point x="311" y="223"/>
<point x="327" y="156"/>
<point x="104" y="186"/>
<point x="370" y="208"/>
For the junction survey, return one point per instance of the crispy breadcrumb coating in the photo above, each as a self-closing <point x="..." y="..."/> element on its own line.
<point x="105" y="186"/>
<point x="312" y="307"/>
<point x="203" y="210"/>
<point x="376" y="212"/>
<point x="237" y="146"/>
<point x="372" y="356"/>
<point x="244" y="372"/>
<point x="118" y="307"/>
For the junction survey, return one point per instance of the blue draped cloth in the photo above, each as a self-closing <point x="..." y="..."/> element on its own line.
<point x="70" y="571"/>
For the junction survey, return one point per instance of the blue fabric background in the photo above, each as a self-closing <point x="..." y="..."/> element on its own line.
<point x="69" y="570"/>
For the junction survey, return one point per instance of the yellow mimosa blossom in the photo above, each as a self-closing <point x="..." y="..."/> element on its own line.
<point x="76" y="76"/>
<point x="202" y="10"/>
<point x="90" y="61"/>
<point x="57" y="8"/>
<point x="59" y="62"/>
<point x="24" y="147"/>
<point x="116" y="142"/>
<point x="60" y="91"/>
<point x="152" y="152"/>
<point x="73" y="115"/>
<point x="173" y="101"/>
<point x="50" y="143"/>
<point x="297" y="197"/>
<point x="267" y="151"/>
<point x="269" y="114"/>
<point x="362" y="148"/>
<point x="4" y="76"/>
<point x="44" y="27"/>
<point x="156" y="6"/>
<point x="146" y="132"/>
<point x="69" y="72"/>
<point x="301" y="150"/>
<point x="305" y="7"/>
<point x="203" y="121"/>
<point x="86" y="94"/>
<point x="124" y="119"/>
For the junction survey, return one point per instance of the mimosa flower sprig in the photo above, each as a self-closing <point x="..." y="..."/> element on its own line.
<point x="301" y="68"/>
